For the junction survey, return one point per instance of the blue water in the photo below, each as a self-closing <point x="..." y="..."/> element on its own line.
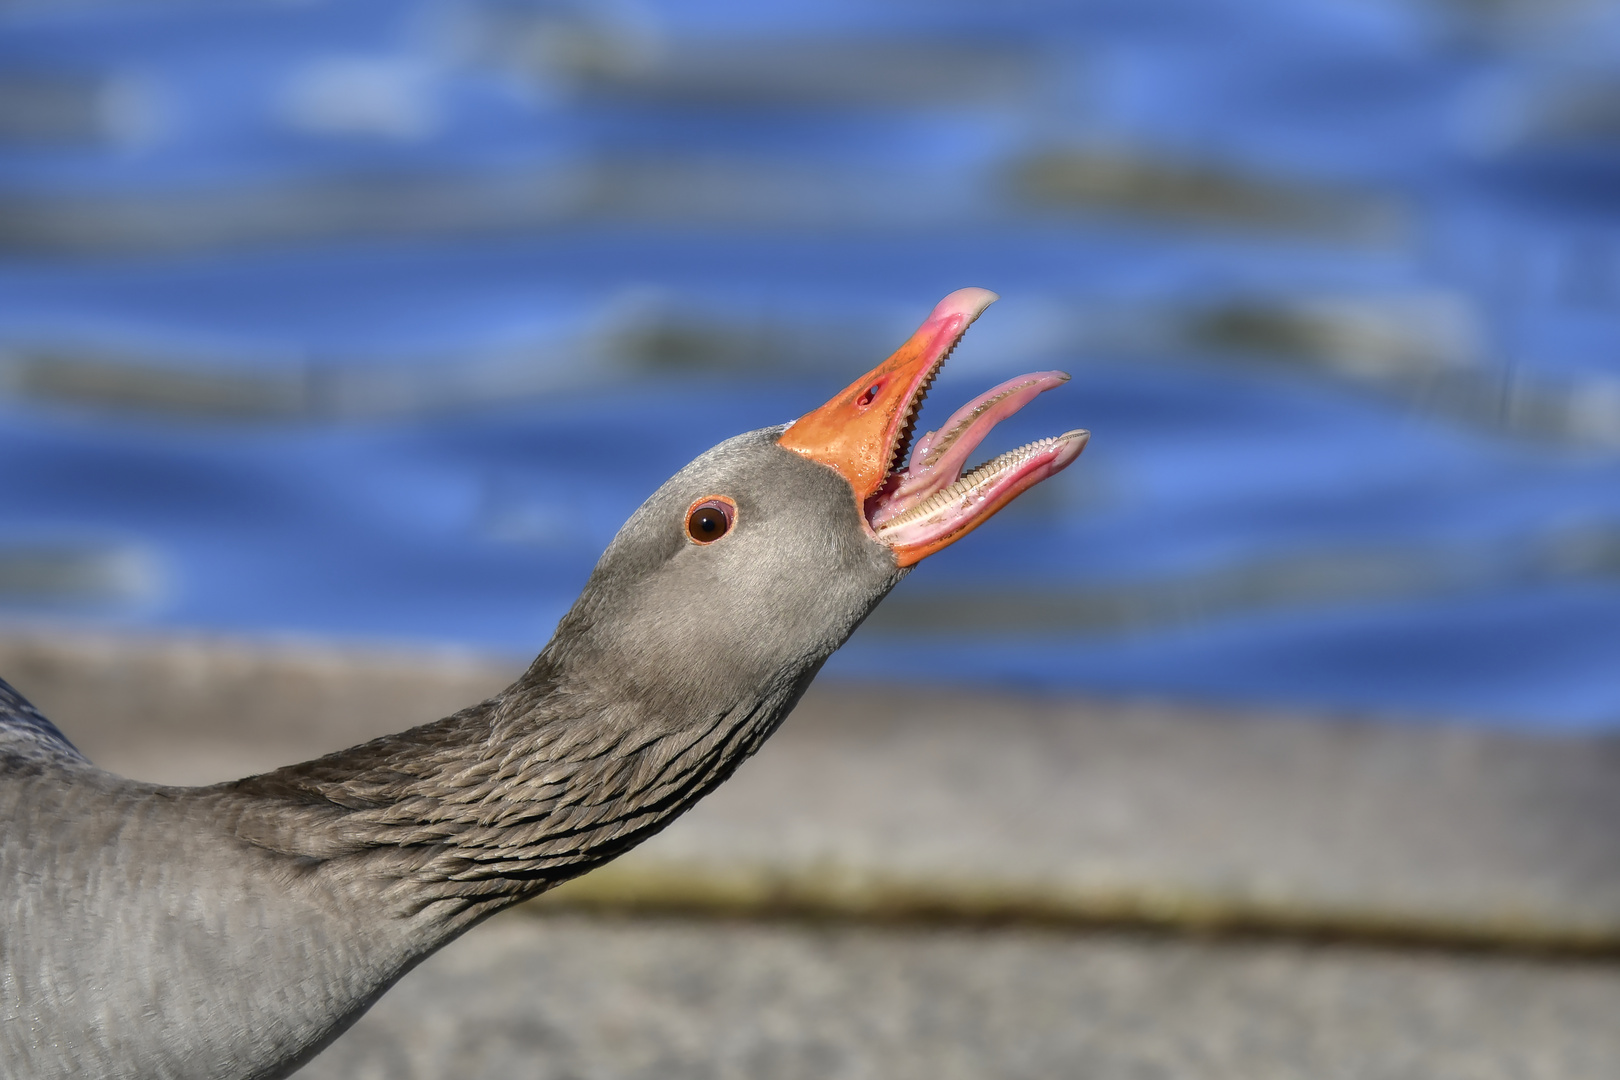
<point x="374" y="320"/>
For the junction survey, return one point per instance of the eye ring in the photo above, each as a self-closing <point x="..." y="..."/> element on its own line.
<point x="710" y="518"/>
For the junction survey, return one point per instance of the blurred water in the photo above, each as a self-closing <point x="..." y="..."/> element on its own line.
<point x="376" y="319"/>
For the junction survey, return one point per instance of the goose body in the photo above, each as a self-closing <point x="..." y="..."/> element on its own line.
<point x="236" y="930"/>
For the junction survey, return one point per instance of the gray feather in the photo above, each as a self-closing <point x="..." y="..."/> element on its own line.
<point x="25" y="735"/>
<point x="235" y="930"/>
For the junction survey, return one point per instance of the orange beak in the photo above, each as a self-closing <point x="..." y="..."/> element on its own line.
<point x="863" y="431"/>
<point x="923" y="505"/>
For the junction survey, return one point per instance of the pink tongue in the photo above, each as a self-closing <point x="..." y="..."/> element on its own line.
<point x="938" y="458"/>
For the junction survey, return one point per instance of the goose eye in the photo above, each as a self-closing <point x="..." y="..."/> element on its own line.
<point x="710" y="519"/>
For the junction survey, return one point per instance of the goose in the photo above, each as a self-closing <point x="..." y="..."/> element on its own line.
<point x="235" y="930"/>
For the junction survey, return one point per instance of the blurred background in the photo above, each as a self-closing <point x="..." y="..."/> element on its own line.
<point x="372" y="321"/>
<point x="338" y="337"/>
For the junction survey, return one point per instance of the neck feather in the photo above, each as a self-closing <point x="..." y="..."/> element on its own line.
<point x="503" y="800"/>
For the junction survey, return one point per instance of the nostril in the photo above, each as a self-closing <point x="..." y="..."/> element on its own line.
<point x="867" y="395"/>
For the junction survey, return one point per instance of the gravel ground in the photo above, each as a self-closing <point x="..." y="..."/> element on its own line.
<point x="879" y="805"/>
<point x="578" y="997"/>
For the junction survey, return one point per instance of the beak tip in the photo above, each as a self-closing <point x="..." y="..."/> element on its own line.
<point x="968" y="303"/>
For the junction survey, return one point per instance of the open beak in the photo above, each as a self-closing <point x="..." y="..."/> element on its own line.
<point x="928" y="503"/>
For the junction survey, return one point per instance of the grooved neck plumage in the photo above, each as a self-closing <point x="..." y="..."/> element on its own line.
<point x="507" y="798"/>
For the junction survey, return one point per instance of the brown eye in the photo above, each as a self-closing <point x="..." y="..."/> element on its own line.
<point x="710" y="519"/>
